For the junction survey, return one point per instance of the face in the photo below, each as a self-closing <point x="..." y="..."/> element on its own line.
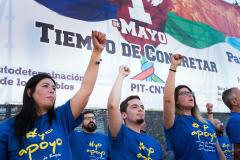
<point x="44" y="94"/>
<point x="89" y="122"/>
<point x="218" y="125"/>
<point x="237" y="99"/>
<point x="185" y="99"/>
<point x="135" y="112"/>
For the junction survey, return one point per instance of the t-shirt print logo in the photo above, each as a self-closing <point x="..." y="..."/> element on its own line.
<point x="143" y="148"/>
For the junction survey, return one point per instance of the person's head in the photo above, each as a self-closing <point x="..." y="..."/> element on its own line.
<point x="185" y="100"/>
<point x="219" y="127"/>
<point x="38" y="98"/>
<point x="132" y="110"/>
<point x="40" y="93"/>
<point x="89" y="121"/>
<point x="231" y="98"/>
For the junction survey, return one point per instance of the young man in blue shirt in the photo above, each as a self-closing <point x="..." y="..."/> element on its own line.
<point x="127" y="142"/>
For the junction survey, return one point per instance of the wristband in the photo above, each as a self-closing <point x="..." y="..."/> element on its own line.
<point x="98" y="61"/>
<point x="172" y="70"/>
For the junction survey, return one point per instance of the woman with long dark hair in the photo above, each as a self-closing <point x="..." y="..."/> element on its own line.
<point x="39" y="131"/>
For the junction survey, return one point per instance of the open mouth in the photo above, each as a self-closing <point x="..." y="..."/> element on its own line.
<point x="191" y="100"/>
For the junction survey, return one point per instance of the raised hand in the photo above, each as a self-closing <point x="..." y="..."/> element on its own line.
<point x="209" y="107"/>
<point x="176" y="59"/>
<point x="124" y="71"/>
<point x="99" y="41"/>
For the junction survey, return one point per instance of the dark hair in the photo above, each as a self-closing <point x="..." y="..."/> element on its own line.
<point x="25" y="120"/>
<point x="227" y="96"/>
<point x="87" y="112"/>
<point x="195" y="110"/>
<point x="124" y="104"/>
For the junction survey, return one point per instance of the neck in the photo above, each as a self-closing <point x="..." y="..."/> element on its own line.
<point x="41" y="112"/>
<point x="88" y="131"/>
<point x="187" y="112"/>
<point x="235" y="109"/>
<point x="219" y="134"/>
<point x="135" y="127"/>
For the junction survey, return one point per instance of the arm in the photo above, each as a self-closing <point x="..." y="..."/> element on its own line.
<point x="220" y="152"/>
<point x="168" y="98"/>
<point x="236" y="151"/>
<point x="209" y="107"/>
<point x="114" y="115"/>
<point x="80" y="99"/>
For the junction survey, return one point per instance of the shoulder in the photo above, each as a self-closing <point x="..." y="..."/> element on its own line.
<point x="101" y="134"/>
<point x="7" y="123"/>
<point x="124" y="129"/>
<point x="75" y="132"/>
<point x="65" y="106"/>
<point x="179" y="119"/>
<point x="151" y="138"/>
<point x="151" y="141"/>
<point x="7" y="127"/>
<point x="75" y="135"/>
<point x="234" y="118"/>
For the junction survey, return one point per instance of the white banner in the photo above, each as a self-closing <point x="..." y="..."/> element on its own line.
<point x="34" y="38"/>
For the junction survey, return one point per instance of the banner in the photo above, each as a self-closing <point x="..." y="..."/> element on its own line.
<point x="54" y="36"/>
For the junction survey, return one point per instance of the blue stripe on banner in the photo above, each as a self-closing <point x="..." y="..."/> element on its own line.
<point x="87" y="10"/>
<point x="234" y="42"/>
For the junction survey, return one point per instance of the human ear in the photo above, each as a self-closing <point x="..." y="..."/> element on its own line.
<point x="29" y="92"/>
<point x="234" y="102"/>
<point x="124" y="115"/>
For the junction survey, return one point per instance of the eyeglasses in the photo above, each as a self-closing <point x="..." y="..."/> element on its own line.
<point x="186" y="93"/>
<point x="89" y="118"/>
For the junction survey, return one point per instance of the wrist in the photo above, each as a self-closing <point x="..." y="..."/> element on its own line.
<point x="97" y="50"/>
<point x="98" y="61"/>
<point x="173" y="66"/>
<point x="209" y="112"/>
<point x="173" y="70"/>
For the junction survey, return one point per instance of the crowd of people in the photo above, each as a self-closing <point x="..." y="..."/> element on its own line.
<point x="40" y="131"/>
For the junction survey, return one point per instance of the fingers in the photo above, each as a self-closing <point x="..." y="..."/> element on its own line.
<point x="124" y="70"/>
<point x="101" y="37"/>
<point x="176" y="60"/>
<point x="209" y="105"/>
<point x="177" y="56"/>
<point x="99" y="41"/>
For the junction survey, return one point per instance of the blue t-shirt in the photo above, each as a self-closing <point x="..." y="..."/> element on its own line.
<point x="233" y="128"/>
<point x="130" y="145"/>
<point x="226" y="146"/>
<point x="168" y="145"/>
<point x="43" y="141"/>
<point x="169" y="152"/>
<point x="191" y="139"/>
<point x="89" y="146"/>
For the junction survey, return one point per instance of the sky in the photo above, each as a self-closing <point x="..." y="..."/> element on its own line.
<point x="232" y="1"/>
